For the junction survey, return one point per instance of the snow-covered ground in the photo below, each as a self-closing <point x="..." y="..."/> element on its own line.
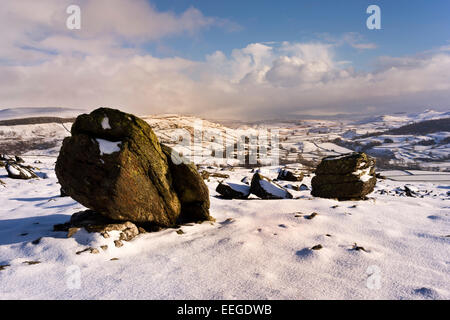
<point x="256" y="249"/>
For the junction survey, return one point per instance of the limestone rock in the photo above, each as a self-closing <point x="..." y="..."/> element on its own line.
<point x="350" y="176"/>
<point x="287" y="175"/>
<point x="114" y="165"/>
<point x="16" y="171"/>
<point x="230" y="190"/>
<point x="264" y="188"/>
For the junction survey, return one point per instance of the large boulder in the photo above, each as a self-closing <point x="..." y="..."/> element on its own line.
<point x="350" y="176"/>
<point x="264" y="188"/>
<point x="189" y="186"/>
<point x="114" y="165"/>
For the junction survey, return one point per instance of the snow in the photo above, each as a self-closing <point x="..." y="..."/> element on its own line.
<point x="239" y="187"/>
<point x="105" y="123"/>
<point x="363" y="174"/>
<point x="336" y="157"/>
<point x="263" y="252"/>
<point x="14" y="171"/>
<point x="108" y="147"/>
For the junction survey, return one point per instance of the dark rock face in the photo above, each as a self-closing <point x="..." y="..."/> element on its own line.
<point x="350" y="176"/>
<point x="189" y="187"/>
<point x="288" y="175"/>
<point x="230" y="190"/>
<point x="264" y="188"/>
<point x="114" y="165"/>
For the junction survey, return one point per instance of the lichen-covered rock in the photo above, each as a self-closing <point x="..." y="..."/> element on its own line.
<point x="350" y="176"/>
<point x="287" y="175"/>
<point x="189" y="186"/>
<point x="264" y="188"/>
<point x="230" y="190"/>
<point x="114" y="165"/>
<point x="344" y="164"/>
<point x="16" y="171"/>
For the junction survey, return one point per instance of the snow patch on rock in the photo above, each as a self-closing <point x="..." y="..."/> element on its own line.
<point x="108" y="147"/>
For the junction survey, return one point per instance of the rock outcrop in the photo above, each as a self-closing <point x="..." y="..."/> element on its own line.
<point x="350" y="176"/>
<point x="114" y="165"/>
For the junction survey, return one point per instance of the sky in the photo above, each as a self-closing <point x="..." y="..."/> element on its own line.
<point x="253" y="59"/>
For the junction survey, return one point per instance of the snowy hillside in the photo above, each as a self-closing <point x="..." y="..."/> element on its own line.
<point x="302" y="141"/>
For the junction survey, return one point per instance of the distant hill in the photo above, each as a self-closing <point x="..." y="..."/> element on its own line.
<point x="15" y="113"/>
<point x="35" y="120"/>
<point x="423" y="127"/>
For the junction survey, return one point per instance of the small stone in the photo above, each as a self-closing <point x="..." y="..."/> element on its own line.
<point x="84" y="250"/>
<point x="72" y="231"/>
<point x="114" y="259"/>
<point x="104" y="248"/>
<point x="4" y="266"/>
<point x="94" y="250"/>
<point x="227" y="221"/>
<point x="359" y="248"/>
<point x="37" y="241"/>
<point x="317" y="247"/>
<point x="118" y="243"/>
<point x="328" y="235"/>
<point x="129" y="233"/>
<point x="31" y="262"/>
<point x="334" y="207"/>
<point x="105" y="234"/>
<point x="180" y="231"/>
<point x="23" y="234"/>
<point x="141" y="230"/>
<point x="311" y="216"/>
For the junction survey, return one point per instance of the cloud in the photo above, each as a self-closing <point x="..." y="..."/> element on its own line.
<point x="353" y="39"/>
<point x="44" y="65"/>
<point x="32" y="31"/>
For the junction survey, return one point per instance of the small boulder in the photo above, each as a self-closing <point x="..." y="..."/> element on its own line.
<point x="16" y="171"/>
<point x="264" y="188"/>
<point x="345" y="177"/>
<point x="19" y="159"/>
<point x="230" y="190"/>
<point x="287" y="175"/>
<point x="245" y="180"/>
